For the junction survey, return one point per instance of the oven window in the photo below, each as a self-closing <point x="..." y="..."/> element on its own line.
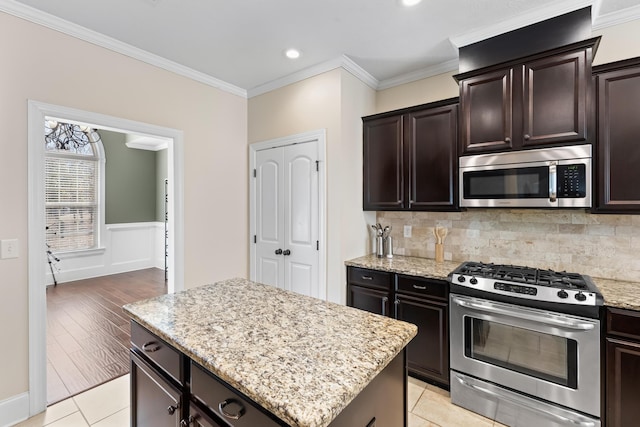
<point x="517" y="183"/>
<point x="547" y="357"/>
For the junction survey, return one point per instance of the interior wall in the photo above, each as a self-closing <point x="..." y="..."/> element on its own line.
<point x="47" y="66"/>
<point x="423" y="91"/>
<point x="618" y="42"/>
<point x="130" y="181"/>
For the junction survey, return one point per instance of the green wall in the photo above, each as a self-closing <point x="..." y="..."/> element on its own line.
<point x="130" y="181"/>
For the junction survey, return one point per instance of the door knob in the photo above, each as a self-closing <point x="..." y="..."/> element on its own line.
<point x="286" y="252"/>
<point x="278" y="251"/>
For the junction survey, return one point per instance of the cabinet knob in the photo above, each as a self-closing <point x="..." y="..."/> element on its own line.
<point x="527" y="137"/>
<point x="186" y="423"/>
<point x="507" y="139"/>
<point x="172" y="409"/>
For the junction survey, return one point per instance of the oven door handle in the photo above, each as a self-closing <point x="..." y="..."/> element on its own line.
<point x="522" y="314"/>
<point x="527" y="405"/>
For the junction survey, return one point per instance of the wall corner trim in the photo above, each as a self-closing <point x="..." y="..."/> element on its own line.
<point x="14" y="409"/>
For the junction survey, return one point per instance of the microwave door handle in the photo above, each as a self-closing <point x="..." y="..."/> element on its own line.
<point x="553" y="182"/>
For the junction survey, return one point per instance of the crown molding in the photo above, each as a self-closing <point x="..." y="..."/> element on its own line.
<point x="339" y="62"/>
<point x="58" y="24"/>
<point x="434" y="70"/>
<point x="616" y="18"/>
<point x="519" y="21"/>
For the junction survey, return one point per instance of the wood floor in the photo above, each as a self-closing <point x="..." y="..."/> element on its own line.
<point x="87" y="332"/>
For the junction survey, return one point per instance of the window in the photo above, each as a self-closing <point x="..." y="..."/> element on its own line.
<point x="72" y="173"/>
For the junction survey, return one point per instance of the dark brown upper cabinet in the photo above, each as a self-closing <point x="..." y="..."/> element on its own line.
<point x="542" y="100"/>
<point x="618" y="145"/>
<point x="410" y="158"/>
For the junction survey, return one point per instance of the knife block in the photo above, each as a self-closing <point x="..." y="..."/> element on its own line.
<point x="439" y="252"/>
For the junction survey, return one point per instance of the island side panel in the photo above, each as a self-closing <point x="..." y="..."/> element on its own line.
<point x="384" y="399"/>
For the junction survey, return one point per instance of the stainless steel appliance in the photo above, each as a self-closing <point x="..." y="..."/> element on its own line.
<point x="547" y="178"/>
<point x="525" y="345"/>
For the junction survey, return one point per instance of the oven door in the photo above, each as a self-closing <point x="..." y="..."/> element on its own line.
<point x="549" y="356"/>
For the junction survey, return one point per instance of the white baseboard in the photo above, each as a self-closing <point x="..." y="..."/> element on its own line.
<point x="14" y="409"/>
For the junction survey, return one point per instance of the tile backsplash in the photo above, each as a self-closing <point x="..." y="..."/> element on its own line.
<point x="606" y="246"/>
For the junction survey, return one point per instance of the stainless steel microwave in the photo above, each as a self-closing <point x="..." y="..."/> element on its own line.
<point x="558" y="177"/>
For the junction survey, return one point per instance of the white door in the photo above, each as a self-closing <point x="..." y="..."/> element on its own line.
<point x="287" y="218"/>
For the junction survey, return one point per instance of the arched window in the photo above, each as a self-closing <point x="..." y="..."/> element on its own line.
<point x="72" y="186"/>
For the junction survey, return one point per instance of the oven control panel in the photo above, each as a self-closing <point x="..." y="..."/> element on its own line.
<point x="518" y="289"/>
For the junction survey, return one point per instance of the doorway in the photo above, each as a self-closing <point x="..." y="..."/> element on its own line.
<point x="37" y="113"/>
<point x="287" y="213"/>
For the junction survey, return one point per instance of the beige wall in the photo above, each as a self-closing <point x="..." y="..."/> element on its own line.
<point x="618" y="42"/>
<point x="431" y="89"/>
<point x="323" y="102"/>
<point x="43" y="65"/>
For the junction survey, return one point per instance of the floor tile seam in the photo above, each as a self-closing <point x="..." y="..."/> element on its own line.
<point x="105" y="417"/>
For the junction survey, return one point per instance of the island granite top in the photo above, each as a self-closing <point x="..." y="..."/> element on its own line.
<point x="616" y="293"/>
<point x="301" y="358"/>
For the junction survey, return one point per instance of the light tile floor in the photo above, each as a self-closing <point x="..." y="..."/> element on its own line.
<point x="108" y="406"/>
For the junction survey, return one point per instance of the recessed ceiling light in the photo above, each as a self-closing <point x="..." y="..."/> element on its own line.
<point x="292" y="53"/>
<point x="409" y="3"/>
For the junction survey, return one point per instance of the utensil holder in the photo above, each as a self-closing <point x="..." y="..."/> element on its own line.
<point x="439" y="252"/>
<point x="379" y="246"/>
<point x="388" y="247"/>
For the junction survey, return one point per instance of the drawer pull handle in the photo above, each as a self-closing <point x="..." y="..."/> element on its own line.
<point x="172" y="409"/>
<point x="151" y="346"/>
<point x="422" y="288"/>
<point x="367" y="278"/>
<point x="235" y="416"/>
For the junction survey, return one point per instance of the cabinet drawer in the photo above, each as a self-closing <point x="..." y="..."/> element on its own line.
<point x="427" y="287"/>
<point x="624" y="323"/>
<point x="167" y="358"/>
<point x="370" y="278"/>
<point x="226" y="403"/>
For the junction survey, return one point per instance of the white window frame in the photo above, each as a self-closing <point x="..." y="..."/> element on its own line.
<point x="99" y="226"/>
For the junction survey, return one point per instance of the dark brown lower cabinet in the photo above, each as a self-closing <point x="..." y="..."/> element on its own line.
<point x="428" y="352"/>
<point x="423" y="302"/>
<point x="372" y="300"/>
<point x="622" y="368"/>
<point x="154" y="401"/>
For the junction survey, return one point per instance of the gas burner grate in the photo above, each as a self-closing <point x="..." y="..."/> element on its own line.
<point x="528" y="275"/>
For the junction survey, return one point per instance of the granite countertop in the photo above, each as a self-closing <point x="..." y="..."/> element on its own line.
<point x="301" y="358"/>
<point x="413" y="266"/>
<point x="616" y="293"/>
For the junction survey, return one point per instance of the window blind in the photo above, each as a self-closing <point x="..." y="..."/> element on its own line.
<point x="71" y="202"/>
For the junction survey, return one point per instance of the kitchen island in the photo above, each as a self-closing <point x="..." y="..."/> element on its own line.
<point x="296" y="360"/>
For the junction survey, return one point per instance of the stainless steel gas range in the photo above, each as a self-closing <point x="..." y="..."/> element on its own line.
<point x="525" y="345"/>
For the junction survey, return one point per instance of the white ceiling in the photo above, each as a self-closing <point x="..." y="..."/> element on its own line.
<point x="241" y="42"/>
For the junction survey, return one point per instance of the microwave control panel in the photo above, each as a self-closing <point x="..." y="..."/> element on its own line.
<point x="572" y="181"/>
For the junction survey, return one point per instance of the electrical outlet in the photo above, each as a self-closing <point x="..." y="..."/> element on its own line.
<point x="407" y="231"/>
<point x="8" y="248"/>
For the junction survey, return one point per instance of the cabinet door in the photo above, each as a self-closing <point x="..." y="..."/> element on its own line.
<point x="383" y="179"/>
<point x="370" y="300"/>
<point x="200" y="418"/>
<point x="428" y="352"/>
<point x="618" y="144"/>
<point x="623" y="383"/>
<point x="555" y="99"/>
<point x="486" y="108"/>
<point x="154" y="402"/>
<point x="432" y="139"/>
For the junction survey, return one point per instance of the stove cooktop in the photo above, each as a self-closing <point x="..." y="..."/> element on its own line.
<point x="526" y="283"/>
